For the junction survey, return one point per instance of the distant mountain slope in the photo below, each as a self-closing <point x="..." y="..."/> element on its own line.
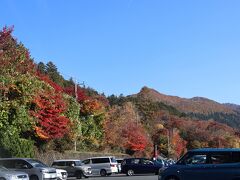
<point x="197" y="107"/>
<point x="233" y="106"/>
<point x="192" y="105"/>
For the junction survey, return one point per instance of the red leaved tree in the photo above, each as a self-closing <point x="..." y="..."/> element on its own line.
<point x="135" y="138"/>
<point x="14" y="57"/>
<point x="50" y="123"/>
<point x="89" y="105"/>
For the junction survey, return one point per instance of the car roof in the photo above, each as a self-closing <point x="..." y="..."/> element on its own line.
<point x="17" y="159"/>
<point x="136" y="158"/>
<point x="215" y="150"/>
<point x="60" y="160"/>
<point x="101" y="157"/>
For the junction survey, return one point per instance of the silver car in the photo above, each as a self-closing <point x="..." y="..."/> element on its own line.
<point x="6" y="174"/>
<point x="35" y="169"/>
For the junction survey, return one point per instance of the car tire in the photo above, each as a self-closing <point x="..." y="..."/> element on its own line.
<point x="33" y="177"/>
<point x="79" y="175"/>
<point x="172" y="178"/>
<point x="2" y="178"/>
<point x="103" y="172"/>
<point x="130" y="172"/>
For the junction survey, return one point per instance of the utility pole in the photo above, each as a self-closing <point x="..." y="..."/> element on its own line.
<point x="168" y="141"/>
<point x="76" y="97"/>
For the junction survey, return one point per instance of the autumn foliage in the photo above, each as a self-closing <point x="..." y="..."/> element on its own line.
<point x="48" y="110"/>
<point x="39" y="107"/>
<point x="134" y="137"/>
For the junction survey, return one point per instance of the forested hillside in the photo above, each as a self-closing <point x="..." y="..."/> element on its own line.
<point x="41" y="111"/>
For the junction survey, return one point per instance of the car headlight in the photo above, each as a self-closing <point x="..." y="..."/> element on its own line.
<point x="85" y="169"/>
<point x="12" y="177"/>
<point x="44" y="171"/>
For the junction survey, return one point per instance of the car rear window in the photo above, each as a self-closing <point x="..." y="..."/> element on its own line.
<point x="235" y="157"/>
<point x="113" y="160"/>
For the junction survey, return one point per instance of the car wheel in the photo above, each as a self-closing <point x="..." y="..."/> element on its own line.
<point x="79" y="175"/>
<point x="130" y="172"/>
<point x="103" y="172"/>
<point x="172" y="178"/>
<point x="34" y="177"/>
<point x="1" y="178"/>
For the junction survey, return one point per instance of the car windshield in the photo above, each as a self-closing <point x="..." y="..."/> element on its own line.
<point x="36" y="163"/>
<point x="3" y="168"/>
<point x="78" y="163"/>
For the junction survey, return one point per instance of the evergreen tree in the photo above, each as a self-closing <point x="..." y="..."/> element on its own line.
<point x="41" y="68"/>
<point x="53" y="73"/>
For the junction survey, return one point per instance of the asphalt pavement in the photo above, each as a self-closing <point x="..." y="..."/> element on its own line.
<point x="124" y="177"/>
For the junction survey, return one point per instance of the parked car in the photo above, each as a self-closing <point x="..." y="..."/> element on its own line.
<point x="35" y="169"/>
<point x="102" y="165"/>
<point x="133" y="166"/>
<point x="61" y="174"/>
<point x="207" y="164"/>
<point x="119" y="164"/>
<point x="74" y="168"/>
<point x="6" y="174"/>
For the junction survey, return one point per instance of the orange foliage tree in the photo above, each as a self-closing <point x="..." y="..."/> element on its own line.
<point x="48" y="110"/>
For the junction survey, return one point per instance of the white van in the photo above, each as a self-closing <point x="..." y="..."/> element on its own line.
<point x="102" y="165"/>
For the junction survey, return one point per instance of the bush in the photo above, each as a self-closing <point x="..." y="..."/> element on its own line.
<point x="13" y="146"/>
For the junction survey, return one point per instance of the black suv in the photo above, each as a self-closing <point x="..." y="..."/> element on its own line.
<point x="133" y="166"/>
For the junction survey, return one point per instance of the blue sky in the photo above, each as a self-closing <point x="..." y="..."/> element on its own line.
<point x="185" y="48"/>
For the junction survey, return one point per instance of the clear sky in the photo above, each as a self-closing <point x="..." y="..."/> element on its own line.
<point x="185" y="48"/>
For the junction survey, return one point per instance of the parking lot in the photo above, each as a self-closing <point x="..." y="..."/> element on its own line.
<point x="124" y="177"/>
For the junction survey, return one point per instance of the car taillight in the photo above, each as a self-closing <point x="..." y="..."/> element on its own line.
<point x="113" y="165"/>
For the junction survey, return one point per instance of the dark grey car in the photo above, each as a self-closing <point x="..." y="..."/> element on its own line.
<point x="74" y="168"/>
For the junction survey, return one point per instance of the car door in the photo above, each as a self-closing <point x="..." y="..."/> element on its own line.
<point x="147" y="166"/>
<point x="196" y="166"/>
<point x="133" y="164"/>
<point x="70" y="168"/>
<point x="22" y="165"/>
<point x="223" y="167"/>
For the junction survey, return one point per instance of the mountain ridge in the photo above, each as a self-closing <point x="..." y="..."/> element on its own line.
<point x="196" y="104"/>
